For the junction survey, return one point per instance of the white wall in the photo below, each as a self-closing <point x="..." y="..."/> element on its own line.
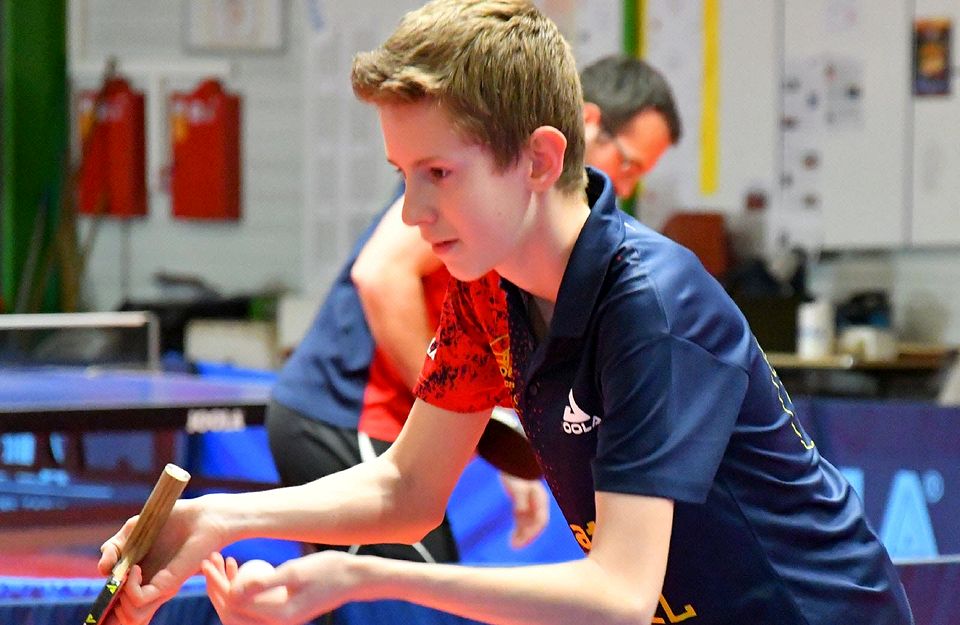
<point x="314" y="172"/>
<point x="299" y="219"/>
<point x="263" y="247"/>
<point x="924" y="284"/>
<point x="749" y="76"/>
<point x="922" y="277"/>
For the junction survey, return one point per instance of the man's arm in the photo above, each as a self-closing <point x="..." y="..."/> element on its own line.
<point x="531" y="509"/>
<point x="618" y="583"/>
<point x="388" y="274"/>
<point x="396" y="497"/>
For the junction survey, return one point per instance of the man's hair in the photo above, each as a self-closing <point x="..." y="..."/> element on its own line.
<point x="622" y="86"/>
<point x="499" y="68"/>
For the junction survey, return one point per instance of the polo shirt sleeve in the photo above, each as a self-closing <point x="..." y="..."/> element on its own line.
<point x="669" y="406"/>
<point x="460" y="372"/>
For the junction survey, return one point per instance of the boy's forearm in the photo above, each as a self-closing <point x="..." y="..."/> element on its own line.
<point x="579" y="591"/>
<point x="357" y="506"/>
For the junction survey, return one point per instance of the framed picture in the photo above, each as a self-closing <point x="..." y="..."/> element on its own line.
<point x="234" y="25"/>
<point x="931" y="56"/>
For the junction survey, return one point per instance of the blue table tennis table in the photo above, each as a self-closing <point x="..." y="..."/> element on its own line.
<point x="51" y="410"/>
<point x="81" y="400"/>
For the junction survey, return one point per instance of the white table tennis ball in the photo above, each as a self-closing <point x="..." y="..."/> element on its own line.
<point x="257" y="569"/>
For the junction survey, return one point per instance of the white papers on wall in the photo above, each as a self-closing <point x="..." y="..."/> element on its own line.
<point x="821" y="94"/>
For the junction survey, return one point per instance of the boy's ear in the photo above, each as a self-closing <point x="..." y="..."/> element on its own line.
<point x="546" y="148"/>
<point x="591" y="122"/>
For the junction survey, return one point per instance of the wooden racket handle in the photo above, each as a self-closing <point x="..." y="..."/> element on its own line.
<point x="155" y="512"/>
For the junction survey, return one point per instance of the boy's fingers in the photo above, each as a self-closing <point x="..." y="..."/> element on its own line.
<point x="109" y="555"/>
<point x="216" y="558"/>
<point x="139" y="602"/>
<point x="232" y="566"/>
<point x="134" y="590"/>
<point x="146" y="593"/>
<point x="128" y="615"/>
<point x="110" y="550"/>
<point x="217" y="582"/>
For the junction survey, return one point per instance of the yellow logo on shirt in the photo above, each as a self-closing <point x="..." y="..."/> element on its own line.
<point x="584" y="536"/>
<point x="670" y="615"/>
<point x="500" y="347"/>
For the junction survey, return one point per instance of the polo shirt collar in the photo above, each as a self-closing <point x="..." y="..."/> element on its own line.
<point x="598" y="241"/>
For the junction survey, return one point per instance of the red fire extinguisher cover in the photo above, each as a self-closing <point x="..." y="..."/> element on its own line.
<point x="205" y="137"/>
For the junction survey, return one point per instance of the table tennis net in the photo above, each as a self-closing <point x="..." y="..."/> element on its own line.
<point x="125" y="340"/>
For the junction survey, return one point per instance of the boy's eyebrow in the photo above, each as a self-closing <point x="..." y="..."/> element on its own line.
<point x="418" y="162"/>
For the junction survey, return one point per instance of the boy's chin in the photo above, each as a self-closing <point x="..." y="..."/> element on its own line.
<point x="467" y="274"/>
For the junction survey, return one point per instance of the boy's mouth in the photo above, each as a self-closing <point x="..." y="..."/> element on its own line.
<point x="442" y="246"/>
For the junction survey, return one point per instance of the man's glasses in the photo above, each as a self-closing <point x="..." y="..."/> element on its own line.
<point x="628" y="164"/>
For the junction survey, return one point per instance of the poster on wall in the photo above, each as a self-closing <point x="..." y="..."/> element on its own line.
<point x="799" y="223"/>
<point x="234" y="25"/>
<point x="822" y="95"/>
<point x="931" y="56"/>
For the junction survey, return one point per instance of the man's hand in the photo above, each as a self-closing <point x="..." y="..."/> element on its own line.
<point x="530" y="508"/>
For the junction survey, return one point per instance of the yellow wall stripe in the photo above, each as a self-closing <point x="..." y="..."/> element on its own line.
<point x="710" y="103"/>
<point x="641" y="53"/>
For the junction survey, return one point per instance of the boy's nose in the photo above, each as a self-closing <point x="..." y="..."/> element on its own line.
<point x="414" y="211"/>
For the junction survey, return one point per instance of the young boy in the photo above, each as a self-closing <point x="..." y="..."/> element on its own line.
<point x="345" y="392"/>
<point x="660" y="427"/>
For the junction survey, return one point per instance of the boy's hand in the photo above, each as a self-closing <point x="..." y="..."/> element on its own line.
<point x="186" y="538"/>
<point x="294" y="592"/>
<point x="530" y="508"/>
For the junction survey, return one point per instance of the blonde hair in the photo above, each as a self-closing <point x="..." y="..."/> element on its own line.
<point x="500" y="68"/>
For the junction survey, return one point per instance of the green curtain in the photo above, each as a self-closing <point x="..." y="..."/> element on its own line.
<point x="633" y="20"/>
<point x="33" y="141"/>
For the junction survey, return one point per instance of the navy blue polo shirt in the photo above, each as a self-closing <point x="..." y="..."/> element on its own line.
<point x="649" y="382"/>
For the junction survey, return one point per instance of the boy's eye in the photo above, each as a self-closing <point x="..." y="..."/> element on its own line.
<point x="438" y="173"/>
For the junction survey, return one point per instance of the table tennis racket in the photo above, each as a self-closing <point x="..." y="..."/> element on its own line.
<point x="504" y="445"/>
<point x="154" y="514"/>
